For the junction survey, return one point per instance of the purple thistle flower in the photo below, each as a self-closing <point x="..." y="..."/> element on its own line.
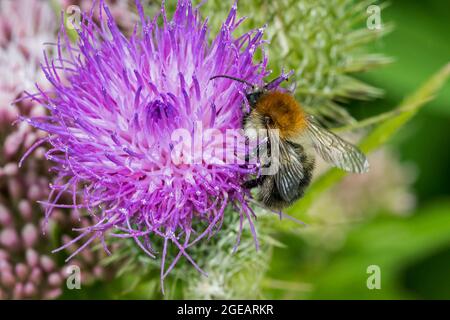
<point x="115" y="102"/>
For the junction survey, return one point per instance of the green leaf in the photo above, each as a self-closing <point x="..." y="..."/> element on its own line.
<point x="377" y="137"/>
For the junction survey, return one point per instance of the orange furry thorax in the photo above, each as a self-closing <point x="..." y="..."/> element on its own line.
<point x="285" y="112"/>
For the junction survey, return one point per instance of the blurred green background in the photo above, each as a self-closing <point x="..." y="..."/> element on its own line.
<point x="420" y="44"/>
<point x="413" y="251"/>
<point x="397" y="217"/>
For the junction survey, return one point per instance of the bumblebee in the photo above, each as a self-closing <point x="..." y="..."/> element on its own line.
<point x="300" y="138"/>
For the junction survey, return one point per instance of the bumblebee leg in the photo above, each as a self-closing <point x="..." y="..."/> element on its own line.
<point x="250" y="184"/>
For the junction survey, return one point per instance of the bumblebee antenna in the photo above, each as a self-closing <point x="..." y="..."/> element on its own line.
<point x="233" y="78"/>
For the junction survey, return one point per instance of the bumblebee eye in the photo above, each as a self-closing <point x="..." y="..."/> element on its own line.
<point x="253" y="97"/>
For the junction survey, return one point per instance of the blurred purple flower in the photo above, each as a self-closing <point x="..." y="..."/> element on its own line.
<point x="26" y="268"/>
<point x="24" y="27"/>
<point x="27" y="24"/>
<point x="112" y="114"/>
<point x="27" y="271"/>
<point x="24" y="271"/>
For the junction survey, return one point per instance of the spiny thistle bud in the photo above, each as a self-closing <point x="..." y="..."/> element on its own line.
<point x="325" y="42"/>
<point x="235" y="269"/>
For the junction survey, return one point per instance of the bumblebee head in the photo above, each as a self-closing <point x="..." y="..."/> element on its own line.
<point x="255" y="93"/>
<point x="254" y="96"/>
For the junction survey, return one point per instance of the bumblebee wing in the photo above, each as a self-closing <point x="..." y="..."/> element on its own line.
<point x="290" y="172"/>
<point x="336" y="151"/>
